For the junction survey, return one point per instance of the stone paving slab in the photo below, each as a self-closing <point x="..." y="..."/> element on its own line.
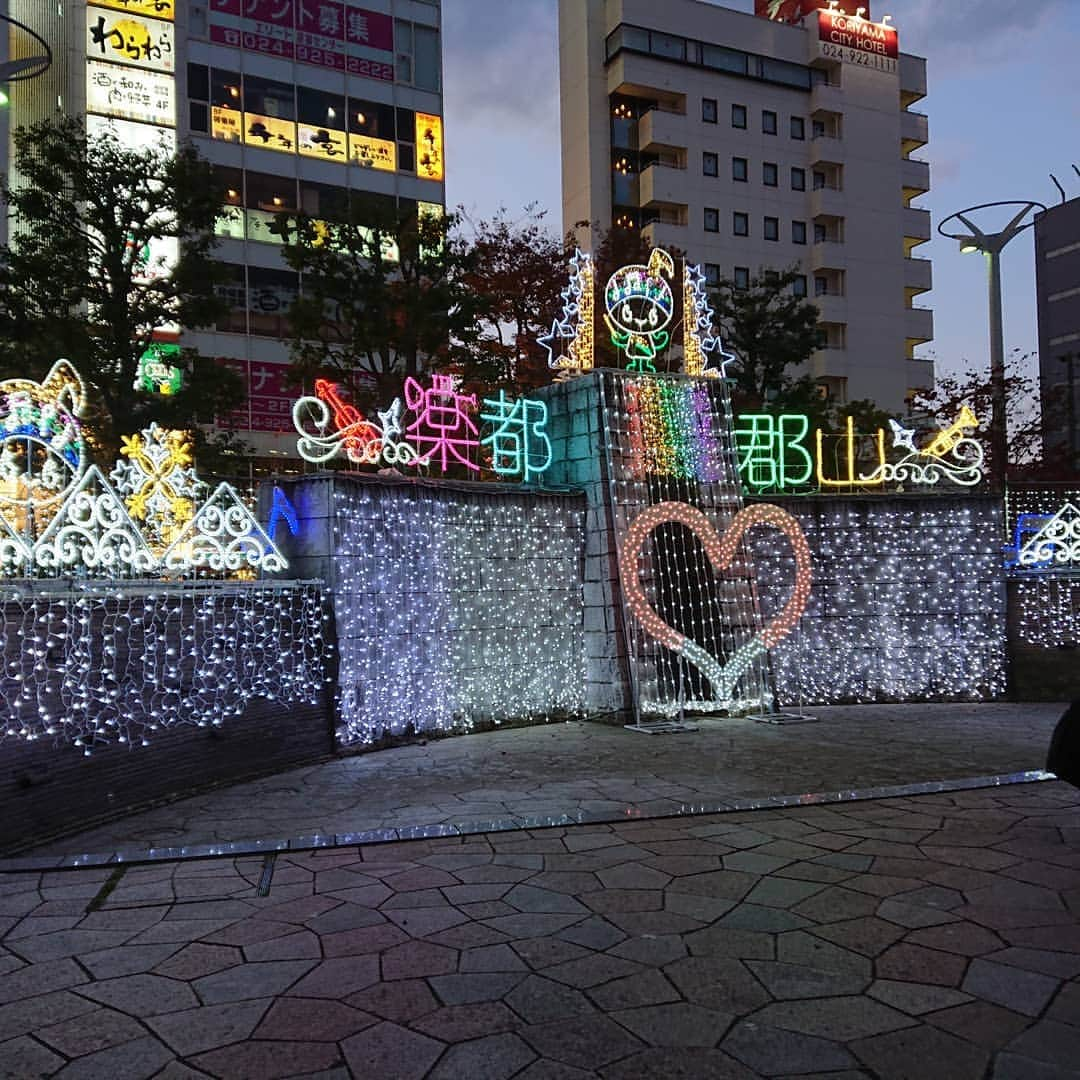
<point x="572" y="773"/>
<point x="616" y="951"/>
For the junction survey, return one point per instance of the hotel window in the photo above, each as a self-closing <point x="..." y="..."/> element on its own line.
<point x="769" y="173"/>
<point x="798" y="127"/>
<point x="740" y="224"/>
<point x="739" y="169"/>
<point x="768" y="122"/>
<point x="198" y="97"/>
<point x="712" y="274"/>
<point x="742" y="277"/>
<point x="738" y="116"/>
<point x="708" y="110"/>
<point x="798" y="179"/>
<point x="712" y="219"/>
<point x="798" y="286"/>
<point x="771" y="228"/>
<point x="710" y="164"/>
<point x="798" y="232"/>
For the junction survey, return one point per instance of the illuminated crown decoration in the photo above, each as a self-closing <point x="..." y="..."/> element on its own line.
<point x="59" y="514"/>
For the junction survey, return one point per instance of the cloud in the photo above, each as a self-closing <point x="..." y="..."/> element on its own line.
<point x="964" y="33"/>
<point x="501" y="62"/>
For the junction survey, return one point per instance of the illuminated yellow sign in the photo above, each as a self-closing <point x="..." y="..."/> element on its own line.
<point x="129" y="39"/>
<point x="226" y="123"/>
<point x="158" y="9"/>
<point x="321" y="142"/>
<point x="429" y="146"/>
<point x="373" y="153"/>
<point x="269" y="132"/>
<point x="114" y="90"/>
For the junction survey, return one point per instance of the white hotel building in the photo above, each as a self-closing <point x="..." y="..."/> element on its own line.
<point x="294" y="101"/>
<point x="749" y="144"/>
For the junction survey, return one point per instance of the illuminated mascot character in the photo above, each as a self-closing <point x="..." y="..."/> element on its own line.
<point x="639" y="306"/>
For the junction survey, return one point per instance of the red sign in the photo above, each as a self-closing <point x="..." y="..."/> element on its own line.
<point x="324" y="33"/>
<point x="848" y="32"/>
<point x="791" y="11"/>
<point x="269" y="396"/>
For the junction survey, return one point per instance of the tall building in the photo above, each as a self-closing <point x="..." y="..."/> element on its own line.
<point x="294" y="101"/>
<point x="1057" y="283"/>
<point x="751" y="144"/>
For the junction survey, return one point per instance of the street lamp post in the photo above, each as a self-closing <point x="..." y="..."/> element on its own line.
<point x="991" y="245"/>
<point x="24" y="67"/>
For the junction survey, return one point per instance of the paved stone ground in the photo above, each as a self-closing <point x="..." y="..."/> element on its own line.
<point x="935" y="936"/>
<point x="599" y="770"/>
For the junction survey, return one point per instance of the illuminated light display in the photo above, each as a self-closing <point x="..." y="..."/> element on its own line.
<point x="849" y="478"/>
<point x="326" y="143"/>
<point x="158" y="9"/>
<point x="519" y="444"/>
<point x="670" y="428"/>
<point x="1056" y="544"/>
<point x="772" y="455"/>
<point x="703" y="351"/>
<point x="454" y="609"/>
<point x="720" y="551"/>
<point x="908" y="601"/>
<point x="429" y="147"/>
<point x="442" y="432"/>
<point x="442" y="422"/>
<point x="130" y="93"/>
<point x="60" y="513"/>
<point x="639" y="306"/>
<point x="950" y="455"/>
<point x="281" y="509"/>
<point x="371" y="153"/>
<point x="102" y="663"/>
<point x="129" y="38"/>
<point x="570" y="344"/>
<point x="1048" y="611"/>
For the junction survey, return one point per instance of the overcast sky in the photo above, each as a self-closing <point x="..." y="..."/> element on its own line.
<point x="1003" y="102"/>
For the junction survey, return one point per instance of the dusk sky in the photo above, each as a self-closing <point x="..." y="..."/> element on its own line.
<point x="1003" y="103"/>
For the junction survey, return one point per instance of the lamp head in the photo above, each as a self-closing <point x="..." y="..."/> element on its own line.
<point x="967" y="246"/>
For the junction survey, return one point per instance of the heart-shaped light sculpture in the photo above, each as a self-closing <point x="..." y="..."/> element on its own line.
<point x="720" y="551"/>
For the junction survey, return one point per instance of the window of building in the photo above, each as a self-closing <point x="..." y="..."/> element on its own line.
<point x="198" y="82"/>
<point x="798" y="179"/>
<point x="819" y="180"/>
<point x="818" y="128"/>
<point x="270" y="295"/>
<point x="367" y="118"/>
<point x="403" y="45"/>
<point x="738" y="116"/>
<point x="771" y="228"/>
<point x="266" y="191"/>
<point x="798" y="232"/>
<point x="798" y="286"/>
<point x="769" y="173"/>
<point x="199" y="116"/>
<point x="821" y="285"/>
<point x="739" y="169"/>
<point x="712" y="219"/>
<point x="742" y="277"/>
<point x="269" y="98"/>
<point x="768" y="122"/>
<point x="667" y="45"/>
<point x="798" y="127"/>
<point x="740" y="224"/>
<point x="426" y="67"/>
<point x="819" y="233"/>
<point x="231" y="289"/>
<point x="712" y="274"/>
<point x="710" y="163"/>
<point x="708" y="110"/>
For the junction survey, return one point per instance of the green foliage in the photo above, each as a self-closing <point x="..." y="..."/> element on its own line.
<point x="368" y="318"/>
<point x="771" y="330"/>
<point x="74" y="280"/>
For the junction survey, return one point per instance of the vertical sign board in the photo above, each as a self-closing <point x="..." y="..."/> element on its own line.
<point x="858" y="42"/>
<point x="329" y="34"/>
<point x="131" y="93"/>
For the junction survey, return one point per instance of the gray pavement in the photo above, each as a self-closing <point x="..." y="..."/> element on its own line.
<point x="934" y="936"/>
<point x="587" y="771"/>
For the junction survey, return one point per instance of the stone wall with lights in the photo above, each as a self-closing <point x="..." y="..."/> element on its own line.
<point x="908" y="601"/>
<point x="218" y="680"/>
<point x="457" y="606"/>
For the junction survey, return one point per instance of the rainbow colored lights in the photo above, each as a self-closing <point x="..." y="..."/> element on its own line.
<point x="671" y="430"/>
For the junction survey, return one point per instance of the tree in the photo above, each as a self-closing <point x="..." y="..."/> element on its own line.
<point x="941" y="406"/>
<point x="769" y="328"/>
<point x="385" y="293"/>
<point x="520" y="268"/>
<point x="80" y="278"/>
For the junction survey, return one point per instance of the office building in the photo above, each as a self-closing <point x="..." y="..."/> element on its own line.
<point x="751" y="144"/>
<point x="1057" y="282"/>
<point x="294" y="101"/>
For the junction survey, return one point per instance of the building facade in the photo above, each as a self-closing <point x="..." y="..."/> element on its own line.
<point x="1057" y="284"/>
<point x="295" y="102"/>
<point x="749" y="144"/>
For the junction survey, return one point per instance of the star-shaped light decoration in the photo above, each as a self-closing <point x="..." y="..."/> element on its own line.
<point x="902" y="438"/>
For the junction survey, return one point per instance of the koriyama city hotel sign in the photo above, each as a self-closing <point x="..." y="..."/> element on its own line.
<point x="854" y="40"/>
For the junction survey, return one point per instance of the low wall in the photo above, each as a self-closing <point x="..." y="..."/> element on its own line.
<point x="115" y="696"/>
<point x="456" y="605"/>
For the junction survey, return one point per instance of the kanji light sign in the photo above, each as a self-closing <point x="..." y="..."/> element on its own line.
<point x="330" y="144"/>
<point x="429" y="147"/>
<point x="373" y="153"/>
